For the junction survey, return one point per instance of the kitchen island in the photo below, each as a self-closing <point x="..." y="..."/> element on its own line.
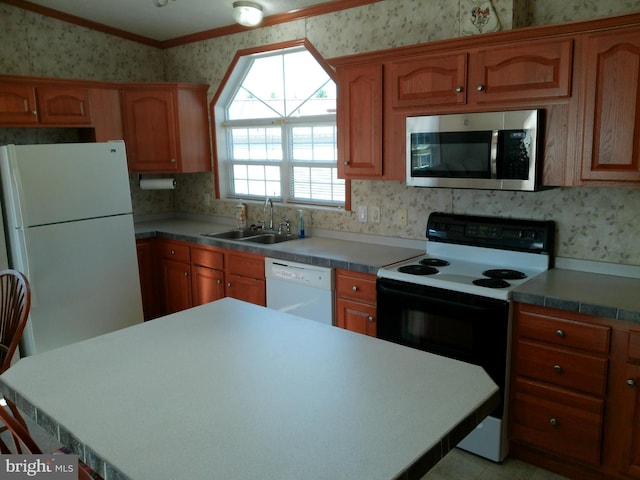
<point x="236" y="391"/>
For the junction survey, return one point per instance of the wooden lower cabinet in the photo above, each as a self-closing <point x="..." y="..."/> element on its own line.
<point x="244" y="275"/>
<point x="146" y="272"/>
<point x="189" y="275"/>
<point x="356" y="301"/>
<point x="574" y="400"/>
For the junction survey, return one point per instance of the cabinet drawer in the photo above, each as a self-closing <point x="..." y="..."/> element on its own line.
<point x="633" y="352"/>
<point x="245" y="265"/>
<point x="561" y="367"/>
<point x="564" y="423"/>
<point x="207" y="258"/>
<point x="567" y="333"/>
<point x="174" y="251"/>
<point x="356" y="286"/>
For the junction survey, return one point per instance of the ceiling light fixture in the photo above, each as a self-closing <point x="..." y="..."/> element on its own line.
<point x="248" y="14"/>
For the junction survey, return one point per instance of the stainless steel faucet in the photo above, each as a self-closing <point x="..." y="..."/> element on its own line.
<point x="269" y="202"/>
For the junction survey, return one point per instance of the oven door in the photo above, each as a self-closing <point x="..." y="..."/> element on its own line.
<point x="457" y="325"/>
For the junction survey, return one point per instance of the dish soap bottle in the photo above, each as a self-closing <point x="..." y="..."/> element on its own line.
<point x="300" y="224"/>
<point x="241" y="216"/>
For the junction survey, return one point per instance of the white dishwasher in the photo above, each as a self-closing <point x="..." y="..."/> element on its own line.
<point x="299" y="289"/>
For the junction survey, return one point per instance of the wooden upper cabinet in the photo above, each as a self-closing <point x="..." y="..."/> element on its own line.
<point x="63" y="105"/>
<point x="166" y="128"/>
<point x="359" y="121"/>
<point x="26" y="105"/>
<point x="521" y="71"/>
<point x="432" y="80"/>
<point x="611" y="139"/>
<point x="18" y="105"/>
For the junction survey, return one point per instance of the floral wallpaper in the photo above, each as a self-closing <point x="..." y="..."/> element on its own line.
<point x="597" y="224"/>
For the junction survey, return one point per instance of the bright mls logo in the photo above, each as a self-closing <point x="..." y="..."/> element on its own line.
<point x="50" y="467"/>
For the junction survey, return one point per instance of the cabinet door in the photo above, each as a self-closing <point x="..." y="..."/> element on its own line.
<point x="531" y="70"/>
<point x="150" y="130"/>
<point x="633" y="403"/>
<point x="611" y="107"/>
<point x="17" y="105"/>
<point x="176" y="281"/>
<point x="357" y="317"/>
<point x="252" y="290"/>
<point x="63" y="106"/>
<point x="145" y="268"/>
<point x="433" y="80"/>
<point x="207" y="284"/>
<point x="359" y="121"/>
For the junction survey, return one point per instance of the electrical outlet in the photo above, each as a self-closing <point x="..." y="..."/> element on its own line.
<point x="362" y="214"/>
<point x="401" y="217"/>
<point x="206" y="199"/>
<point x="375" y="214"/>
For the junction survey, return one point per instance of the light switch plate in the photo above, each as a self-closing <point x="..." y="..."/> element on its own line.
<point x="362" y="214"/>
<point x="375" y="214"/>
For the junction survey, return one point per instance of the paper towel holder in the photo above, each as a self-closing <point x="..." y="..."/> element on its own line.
<point x="156" y="183"/>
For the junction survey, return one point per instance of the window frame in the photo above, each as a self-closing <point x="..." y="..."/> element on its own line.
<point x="234" y="75"/>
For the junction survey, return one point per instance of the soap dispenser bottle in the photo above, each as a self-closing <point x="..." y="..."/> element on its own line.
<point x="300" y="224"/>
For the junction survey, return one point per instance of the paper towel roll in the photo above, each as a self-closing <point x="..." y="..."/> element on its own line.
<point x="158" y="184"/>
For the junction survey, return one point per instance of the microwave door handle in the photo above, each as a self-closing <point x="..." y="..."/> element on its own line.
<point x="494" y="154"/>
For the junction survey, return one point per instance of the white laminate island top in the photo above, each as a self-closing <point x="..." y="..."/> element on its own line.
<point x="234" y="391"/>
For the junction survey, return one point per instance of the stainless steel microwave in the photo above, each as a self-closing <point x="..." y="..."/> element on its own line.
<point x="489" y="150"/>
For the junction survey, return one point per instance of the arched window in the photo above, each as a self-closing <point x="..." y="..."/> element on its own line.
<point x="276" y="130"/>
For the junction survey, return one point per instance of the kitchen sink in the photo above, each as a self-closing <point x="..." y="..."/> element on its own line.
<point x="237" y="234"/>
<point x="270" y="238"/>
<point x="252" y="235"/>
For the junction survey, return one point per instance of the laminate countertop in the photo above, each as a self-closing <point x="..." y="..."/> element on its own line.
<point x="358" y="256"/>
<point x="596" y="294"/>
<point x="235" y="391"/>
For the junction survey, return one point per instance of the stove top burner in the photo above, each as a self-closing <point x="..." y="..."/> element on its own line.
<point x="491" y="283"/>
<point x="434" y="262"/>
<point x="418" y="269"/>
<point x="504" y="273"/>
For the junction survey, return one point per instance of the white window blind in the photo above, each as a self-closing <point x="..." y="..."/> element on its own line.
<point x="281" y="131"/>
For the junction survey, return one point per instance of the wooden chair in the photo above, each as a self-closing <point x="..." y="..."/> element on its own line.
<point x="15" y="302"/>
<point x="28" y="446"/>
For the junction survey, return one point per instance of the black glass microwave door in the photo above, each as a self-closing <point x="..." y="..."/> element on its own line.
<point x="451" y="154"/>
<point x="514" y="154"/>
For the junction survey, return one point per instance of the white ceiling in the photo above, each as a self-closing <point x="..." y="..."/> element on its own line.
<point x="178" y="18"/>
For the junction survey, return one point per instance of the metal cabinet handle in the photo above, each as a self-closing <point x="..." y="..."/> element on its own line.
<point x="631" y="382"/>
<point x="480" y="88"/>
<point x="557" y="368"/>
<point x="355" y="288"/>
<point x="34" y="112"/>
<point x="173" y="252"/>
<point x="229" y="284"/>
<point x="173" y="160"/>
<point x="370" y="318"/>
<point x="345" y="163"/>
<point x="218" y="281"/>
<point x="553" y="422"/>
<point x="560" y="333"/>
<point x="186" y="274"/>
<point x="459" y="89"/>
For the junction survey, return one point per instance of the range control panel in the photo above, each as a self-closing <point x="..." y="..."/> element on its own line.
<point x="533" y="236"/>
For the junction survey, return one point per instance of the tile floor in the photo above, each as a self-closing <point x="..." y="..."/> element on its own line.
<point x="461" y="465"/>
<point x="457" y="465"/>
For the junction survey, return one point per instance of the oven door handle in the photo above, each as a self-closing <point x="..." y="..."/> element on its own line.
<point x="384" y="289"/>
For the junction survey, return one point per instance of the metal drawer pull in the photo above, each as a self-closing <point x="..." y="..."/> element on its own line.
<point x="173" y="252"/>
<point x="553" y="422"/>
<point x="370" y="318"/>
<point x="560" y="333"/>
<point x="458" y="89"/>
<point x="631" y="382"/>
<point x="355" y="288"/>
<point x="480" y="88"/>
<point x="557" y="368"/>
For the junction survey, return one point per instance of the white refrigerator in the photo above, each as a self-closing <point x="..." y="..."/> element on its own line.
<point x="68" y="227"/>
